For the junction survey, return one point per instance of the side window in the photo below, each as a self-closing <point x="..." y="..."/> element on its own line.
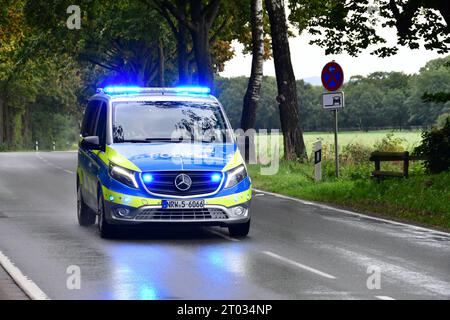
<point x="90" y="118"/>
<point x="101" y="124"/>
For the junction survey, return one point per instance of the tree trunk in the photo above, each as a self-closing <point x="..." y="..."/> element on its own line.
<point x="200" y="40"/>
<point x="161" y="64"/>
<point x="202" y="18"/>
<point x="294" y="146"/>
<point x="183" y="59"/>
<point x="252" y="96"/>
<point x="2" y="127"/>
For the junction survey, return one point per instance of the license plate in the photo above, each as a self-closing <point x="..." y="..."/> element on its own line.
<point x="183" y="204"/>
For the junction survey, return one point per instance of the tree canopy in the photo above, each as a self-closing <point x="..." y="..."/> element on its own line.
<point x="354" y="25"/>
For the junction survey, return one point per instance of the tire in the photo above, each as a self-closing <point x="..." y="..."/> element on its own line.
<point x="239" y="230"/>
<point x="106" y="230"/>
<point x="86" y="216"/>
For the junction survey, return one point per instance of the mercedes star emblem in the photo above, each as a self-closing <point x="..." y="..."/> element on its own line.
<point x="183" y="182"/>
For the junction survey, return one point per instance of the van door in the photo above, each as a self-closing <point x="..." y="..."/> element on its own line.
<point x="88" y="187"/>
<point x="98" y="160"/>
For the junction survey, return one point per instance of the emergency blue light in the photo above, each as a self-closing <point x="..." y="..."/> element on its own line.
<point x="216" y="177"/>
<point x="201" y="90"/>
<point x="112" y="90"/>
<point x="147" y="178"/>
<point x="134" y="89"/>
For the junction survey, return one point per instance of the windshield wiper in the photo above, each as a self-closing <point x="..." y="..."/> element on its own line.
<point x="164" y="140"/>
<point x="149" y="140"/>
<point x="134" y="141"/>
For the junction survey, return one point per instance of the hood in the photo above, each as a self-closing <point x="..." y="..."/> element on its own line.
<point x="176" y="156"/>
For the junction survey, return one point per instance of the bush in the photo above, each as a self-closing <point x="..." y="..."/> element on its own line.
<point x="436" y="148"/>
<point x="440" y="122"/>
<point x="355" y="153"/>
<point x="390" y="143"/>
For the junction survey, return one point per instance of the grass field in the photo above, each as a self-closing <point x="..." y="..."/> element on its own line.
<point x="412" y="138"/>
<point x="422" y="199"/>
<point x="368" y="139"/>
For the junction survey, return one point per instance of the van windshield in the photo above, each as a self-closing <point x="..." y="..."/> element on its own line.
<point x="168" y="121"/>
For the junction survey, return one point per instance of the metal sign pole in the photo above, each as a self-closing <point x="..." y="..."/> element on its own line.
<point x="336" y="146"/>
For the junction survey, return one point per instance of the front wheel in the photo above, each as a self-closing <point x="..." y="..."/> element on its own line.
<point x="239" y="230"/>
<point x="86" y="216"/>
<point x="106" y="229"/>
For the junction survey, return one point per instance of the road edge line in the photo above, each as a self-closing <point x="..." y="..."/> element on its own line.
<point x="384" y="298"/>
<point x="299" y="265"/>
<point x="26" y="285"/>
<point x="349" y="212"/>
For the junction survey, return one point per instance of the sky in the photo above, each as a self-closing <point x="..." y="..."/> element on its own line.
<point x="308" y="60"/>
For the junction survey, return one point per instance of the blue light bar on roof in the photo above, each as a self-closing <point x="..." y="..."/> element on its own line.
<point x="112" y="90"/>
<point x="201" y="90"/>
<point x="133" y="89"/>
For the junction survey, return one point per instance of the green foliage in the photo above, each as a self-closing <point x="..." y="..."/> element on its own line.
<point x="353" y="26"/>
<point x="390" y="143"/>
<point x="442" y="120"/>
<point x="436" y="147"/>
<point x="356" y="153"/>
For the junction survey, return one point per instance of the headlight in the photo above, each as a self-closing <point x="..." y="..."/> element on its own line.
<point x="234" y="176"/>
<point x="125" y="176"/>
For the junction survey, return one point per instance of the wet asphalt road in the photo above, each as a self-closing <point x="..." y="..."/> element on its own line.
<point x="294" y="251"/>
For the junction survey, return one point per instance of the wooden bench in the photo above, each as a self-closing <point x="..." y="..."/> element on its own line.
<point x="379" y="157"/>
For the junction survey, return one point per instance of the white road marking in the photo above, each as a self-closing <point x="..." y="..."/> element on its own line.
<point x="223" y="235"/>
<point x="324" y="206"/>
<point x="299" y="265"/>
<point x="384" y="298"/>
<point x="27" y="285"/>
<point x="54" y="165"/>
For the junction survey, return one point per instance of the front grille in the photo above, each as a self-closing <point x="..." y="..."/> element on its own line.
<point x="181" y="214"/>
<point x="163" y="182"/>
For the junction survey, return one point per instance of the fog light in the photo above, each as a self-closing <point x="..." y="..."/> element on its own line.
<point x="123" y="212"/>
<point x="238" y="211"/>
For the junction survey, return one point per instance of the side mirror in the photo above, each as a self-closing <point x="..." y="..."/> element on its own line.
<point x="91" y="143"/>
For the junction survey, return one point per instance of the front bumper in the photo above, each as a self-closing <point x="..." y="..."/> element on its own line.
<point x="210" y="215"/>
<point x="219" y="208"/>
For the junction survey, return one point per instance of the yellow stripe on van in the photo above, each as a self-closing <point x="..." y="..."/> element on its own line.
<point x="235" y="161"/>
<point x="115" y="157"/>
<point x="136" y="202"/>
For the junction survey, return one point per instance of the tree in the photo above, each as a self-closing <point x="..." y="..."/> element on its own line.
<point x="252" y="95"/>
<point x="351" y="26"/>
<point x="114" y="35"/>
<point x="198" y="19"/>
<point x="180" y="32"/>
<point x="440" y="96"/>
<point x="294" y="146"/>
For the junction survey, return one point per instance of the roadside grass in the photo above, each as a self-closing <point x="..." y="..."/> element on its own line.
<point x="421" y="199"/>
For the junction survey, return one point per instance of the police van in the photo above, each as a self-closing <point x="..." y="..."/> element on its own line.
<point x="160" y="156"/>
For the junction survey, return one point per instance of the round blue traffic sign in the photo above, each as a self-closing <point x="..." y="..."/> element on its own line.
<point x="332" y="76"/>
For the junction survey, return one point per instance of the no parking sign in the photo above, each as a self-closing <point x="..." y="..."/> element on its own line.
<point x="332" y="76"/>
